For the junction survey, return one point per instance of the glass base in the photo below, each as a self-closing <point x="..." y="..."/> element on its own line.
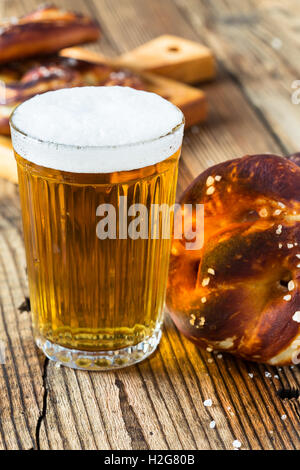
<point x="100" y="360"/>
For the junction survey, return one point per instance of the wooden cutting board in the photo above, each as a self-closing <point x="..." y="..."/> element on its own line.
<point x="190" y="100"/>
<point x="172" y="57"/>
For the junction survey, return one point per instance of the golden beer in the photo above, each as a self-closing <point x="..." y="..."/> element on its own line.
<point x="97" y="303"/>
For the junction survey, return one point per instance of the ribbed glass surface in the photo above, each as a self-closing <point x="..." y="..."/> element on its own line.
<point x="86" y="293"/>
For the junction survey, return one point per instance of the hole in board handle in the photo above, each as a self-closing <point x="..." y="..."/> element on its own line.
<point x="173" y="49"/>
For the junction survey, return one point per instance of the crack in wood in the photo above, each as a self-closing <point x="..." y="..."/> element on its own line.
<point x="44" y="407"/>
<point x="25" y="305"/>
<point x="288" y="393"/>
<point x="131" y="421"/>
<point x="240" y="19"/>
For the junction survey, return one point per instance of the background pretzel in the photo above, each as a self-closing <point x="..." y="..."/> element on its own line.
<point x="45" y="31"/>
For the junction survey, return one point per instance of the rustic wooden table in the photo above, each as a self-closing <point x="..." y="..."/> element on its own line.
<point x="159" y="403"/>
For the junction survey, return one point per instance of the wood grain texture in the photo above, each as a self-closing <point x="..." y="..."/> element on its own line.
<point x="257" y="44"/>
<point x="159" y="403"/>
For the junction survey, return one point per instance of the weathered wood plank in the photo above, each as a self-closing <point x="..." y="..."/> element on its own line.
<point x="256" y="43"/>
<point x="159" y="403"/>
<point x="21" y="386"/>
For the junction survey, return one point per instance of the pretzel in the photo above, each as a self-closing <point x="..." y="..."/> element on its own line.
<point x="295" y="157"/>
<point x="44" y="31"/>
<point x="22" y="80"/>
<point x="241" y="292"/>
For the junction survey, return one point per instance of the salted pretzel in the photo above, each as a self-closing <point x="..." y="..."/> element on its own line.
<point x="240" y="293"/>
<point x="295" y="157"/>
<point x="22" y="80"/>
<point x="44" y="31"/>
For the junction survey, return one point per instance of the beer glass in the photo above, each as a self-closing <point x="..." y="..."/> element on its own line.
<point x="96" y="166"/>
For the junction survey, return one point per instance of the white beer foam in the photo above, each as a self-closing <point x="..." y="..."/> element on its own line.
<point x="96" y="129"/>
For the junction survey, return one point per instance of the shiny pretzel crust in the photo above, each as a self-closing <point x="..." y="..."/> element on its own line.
<point x="241" y="292"/>
<point x="44" y="31"/>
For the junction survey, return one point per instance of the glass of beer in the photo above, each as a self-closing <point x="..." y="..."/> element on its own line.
<point x="96" y="166"/>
